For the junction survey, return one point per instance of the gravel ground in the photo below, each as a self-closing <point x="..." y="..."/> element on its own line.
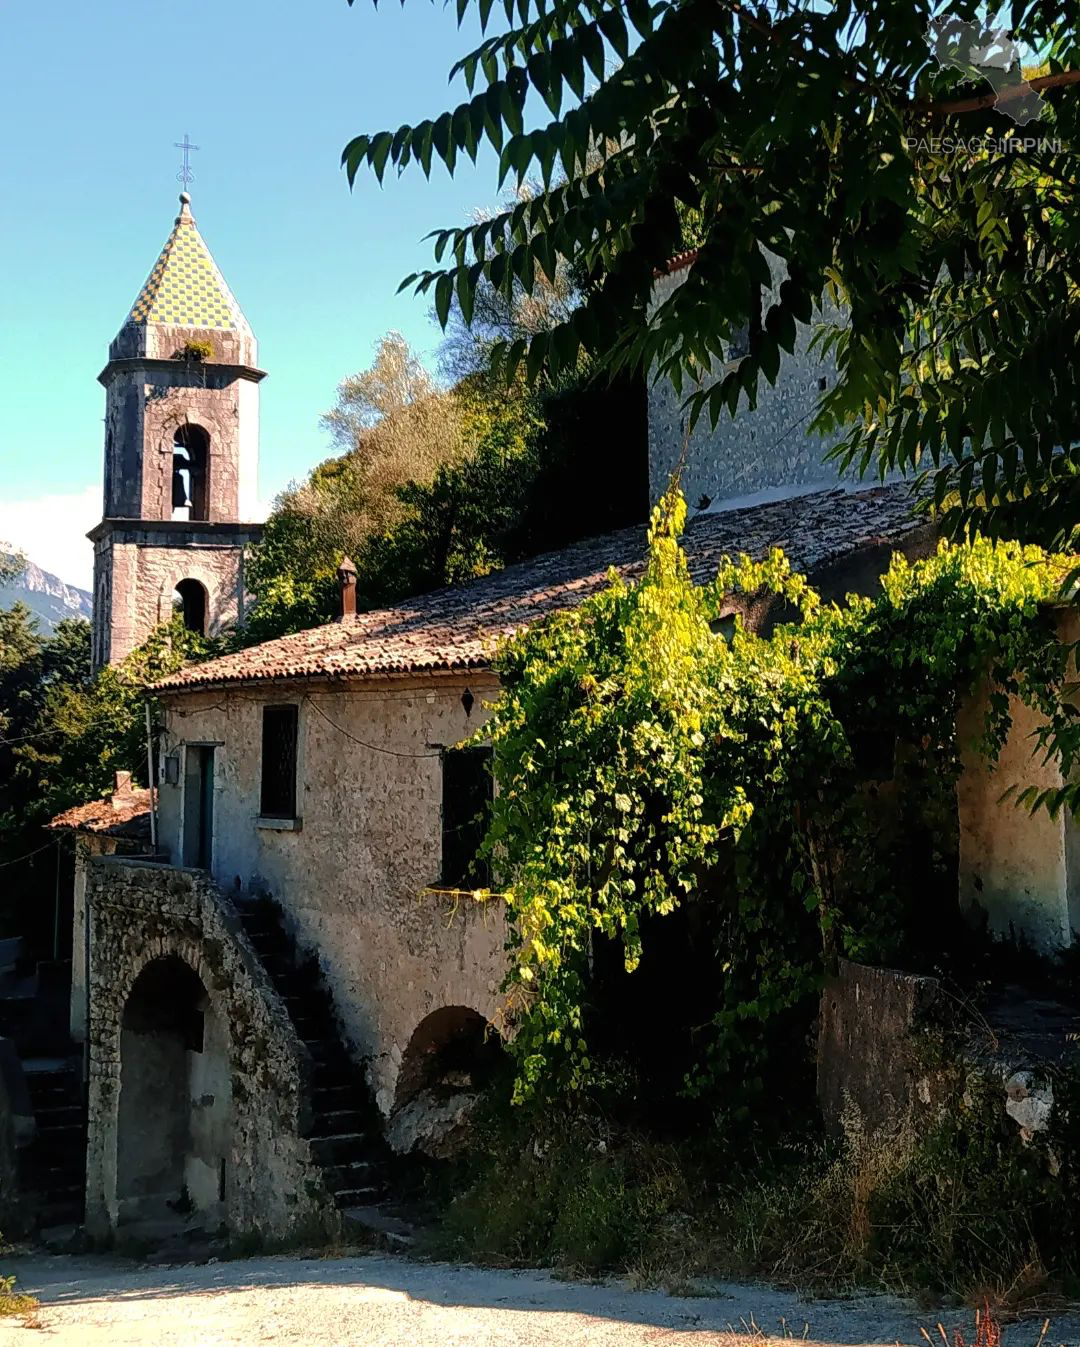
<point x="372" y="1301"/>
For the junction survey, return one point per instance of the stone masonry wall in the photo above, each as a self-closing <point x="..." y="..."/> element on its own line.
<point x="139" y="912"/>
<point x="137" y="569"/>
<point x="351" y="874"/>
<point x="757" y="454"/>
<point x="144" y="408"/>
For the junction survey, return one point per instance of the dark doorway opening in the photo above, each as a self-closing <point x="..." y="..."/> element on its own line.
<point x="175" y="1105"/>
<point x="199" y="805"/>
<point x="189" y="600"/>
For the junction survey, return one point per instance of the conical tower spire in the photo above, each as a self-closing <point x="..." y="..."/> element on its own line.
<point x="186" y="287"/>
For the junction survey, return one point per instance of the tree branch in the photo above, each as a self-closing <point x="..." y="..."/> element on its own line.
<point x="953" y="109"/>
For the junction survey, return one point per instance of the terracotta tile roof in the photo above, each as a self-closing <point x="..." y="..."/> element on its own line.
<point x="454" y="628"/>
<point x="677" y="263"/>
<point x="126" y="813"/>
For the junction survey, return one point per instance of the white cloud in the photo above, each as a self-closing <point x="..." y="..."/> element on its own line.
<point x="51" y="530"/>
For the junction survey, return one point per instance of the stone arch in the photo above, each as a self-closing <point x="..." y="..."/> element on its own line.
<point x="192" y="601"/>
<point x="193" y="568"/>
<point x="174" y="1115"/>
<point x="452" y="1048"/>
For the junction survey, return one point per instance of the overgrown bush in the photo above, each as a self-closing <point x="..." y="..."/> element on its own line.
<point x="561" y="1187"/>
<point x="795" y="786"/>
<point x="966" y="1210"/>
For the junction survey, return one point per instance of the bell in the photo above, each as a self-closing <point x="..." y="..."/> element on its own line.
<point x="179" y="490"/>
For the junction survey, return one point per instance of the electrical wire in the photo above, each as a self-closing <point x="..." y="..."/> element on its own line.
<point x="374" y="748"/>
<point x="52" y="842"/>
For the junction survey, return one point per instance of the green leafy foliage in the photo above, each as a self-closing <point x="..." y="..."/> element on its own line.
<point x="814" y="154"/>
<point x="966" y="1209"/>
<point x="64" y="733"/>
<point x="643" y="761"/>
<point x="501" y="499"/>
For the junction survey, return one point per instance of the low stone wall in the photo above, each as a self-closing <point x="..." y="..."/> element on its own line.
<point x="866" y="1059"/>
<point x="139" y="913"/>
<point x="897" y="1053"/>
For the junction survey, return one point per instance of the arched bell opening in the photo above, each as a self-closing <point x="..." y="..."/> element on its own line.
<point x="190" y="601"/>
<point x="191" y="472"/>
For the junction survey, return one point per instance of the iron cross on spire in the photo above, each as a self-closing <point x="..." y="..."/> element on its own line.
<point x="186" y="175"/>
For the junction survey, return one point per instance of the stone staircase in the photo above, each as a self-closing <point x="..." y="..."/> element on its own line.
<point x="52" y="1168"/>
<point x="34" y="1007"/>
<point x="345" y="1131"/>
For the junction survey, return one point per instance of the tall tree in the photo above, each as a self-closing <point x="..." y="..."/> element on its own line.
<point x="500" y="317"/>
<point x="894" y="156"/>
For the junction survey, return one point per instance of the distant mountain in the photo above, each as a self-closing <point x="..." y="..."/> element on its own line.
<point x="45" y="595"/>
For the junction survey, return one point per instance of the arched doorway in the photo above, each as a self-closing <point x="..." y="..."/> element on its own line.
<point x="189" y="600"/>
<point x="191" y="473"/>
<point x="175" y="1107"/>
<point x="451" y="1056"/>
<point x="451" y="1049"/>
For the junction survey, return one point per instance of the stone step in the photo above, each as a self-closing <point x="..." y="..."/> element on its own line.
<point x="69" y="1139"/>
<point x="380" y="1226"/>
<point x="65" y="1237"/>
<point x="330" y="1099"/>
<point x="52" y="1086"/>
<point x="329" y="1052"/>
<point x="47" y="1173"/>
<point x="338" y="1074"/>
<point x="346" y="1198"/>
<point x="355" y="1174"/>
<point x="335" y="1122"/>
<point x="281" y="966"/>
<point x="59" y="1115"/>
<point x="340" y="1148"/>
<point x="62" y="1209"/>
<point x="313" y="1023"/>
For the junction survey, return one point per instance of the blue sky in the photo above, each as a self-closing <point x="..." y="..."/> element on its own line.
<point x="92" y="97"/>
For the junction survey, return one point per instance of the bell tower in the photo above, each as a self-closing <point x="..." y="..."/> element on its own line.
<point x="181" y="454"/>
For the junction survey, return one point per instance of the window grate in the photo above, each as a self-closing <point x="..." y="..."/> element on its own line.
<point x="278" y="797"/>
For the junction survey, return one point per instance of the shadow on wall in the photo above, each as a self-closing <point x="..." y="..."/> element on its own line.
<point x="452" y="1055"/>
<point x="175" y="1099"/>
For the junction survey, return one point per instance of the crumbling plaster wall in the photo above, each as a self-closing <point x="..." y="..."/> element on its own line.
<point x="1019" y="870"/>
<point x="140" y="912"/>
<point x="351" y="877"/>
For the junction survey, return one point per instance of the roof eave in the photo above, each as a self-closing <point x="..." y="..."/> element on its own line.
<point x="168" y="690"/>
<point x="126" y="364"/>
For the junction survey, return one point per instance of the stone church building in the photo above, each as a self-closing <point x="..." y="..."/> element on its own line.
<point x="290" y="983"/>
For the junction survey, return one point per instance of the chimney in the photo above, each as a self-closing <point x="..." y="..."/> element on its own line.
<point x="122" y="788"/>
<point x="346" y="575"/>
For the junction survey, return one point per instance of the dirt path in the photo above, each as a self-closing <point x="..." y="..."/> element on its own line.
<point x="369" y="1301"/>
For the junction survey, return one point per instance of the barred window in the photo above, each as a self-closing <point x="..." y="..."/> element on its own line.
<point x="278" y="798"/>
<point x="466" y="804"/>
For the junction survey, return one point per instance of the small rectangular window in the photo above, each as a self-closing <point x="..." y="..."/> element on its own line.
<point x="278" y="797"/>
<point x="466" y="805"/>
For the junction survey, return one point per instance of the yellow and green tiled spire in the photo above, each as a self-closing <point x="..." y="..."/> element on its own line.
<point x="185" y="288"/>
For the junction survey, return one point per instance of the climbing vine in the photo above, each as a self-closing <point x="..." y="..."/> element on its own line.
<point x="645" y="758"/>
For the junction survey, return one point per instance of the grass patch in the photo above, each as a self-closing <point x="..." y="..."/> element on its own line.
<point x="12" y="1302"/>
<point x="966" y="1212"/>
